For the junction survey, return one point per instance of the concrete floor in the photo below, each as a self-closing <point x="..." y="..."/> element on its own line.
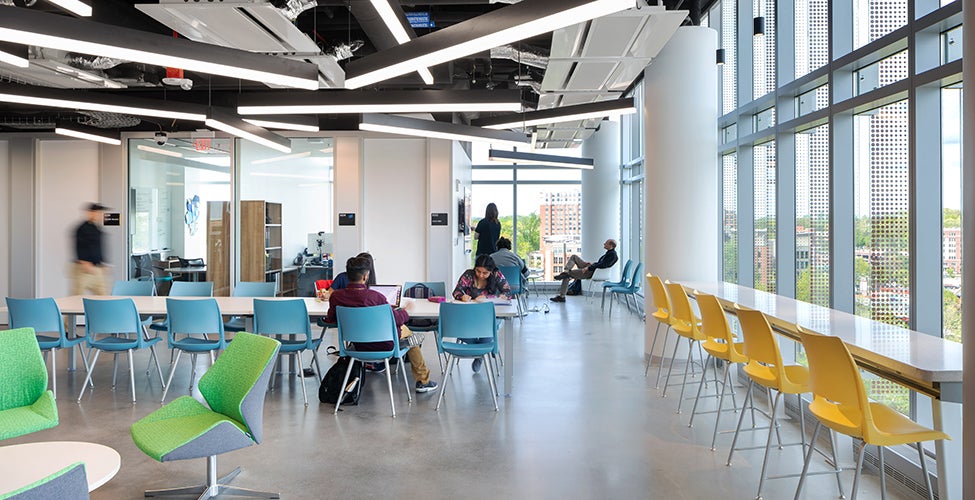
<point x="583" y="422"/>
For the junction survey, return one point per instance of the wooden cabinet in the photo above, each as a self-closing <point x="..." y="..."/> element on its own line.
<point x="219" y="233"/>
<point x="260" y="246"/>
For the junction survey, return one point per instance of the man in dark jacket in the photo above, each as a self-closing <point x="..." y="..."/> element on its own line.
<point x="576" y="268"/>
<point x="358" y="294"/>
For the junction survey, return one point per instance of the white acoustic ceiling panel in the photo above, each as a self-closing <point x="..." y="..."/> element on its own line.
<point x="590" y="75"/>
<point x="612" y="36"/>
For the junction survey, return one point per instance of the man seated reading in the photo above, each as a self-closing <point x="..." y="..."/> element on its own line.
<point x="576" y="268"/>
<point x="358" y="294"/>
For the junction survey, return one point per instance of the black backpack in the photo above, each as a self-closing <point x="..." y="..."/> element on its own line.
<point x="419" y="291"/>
<point x="329" y="391"/>
<point x="575" y="288"/>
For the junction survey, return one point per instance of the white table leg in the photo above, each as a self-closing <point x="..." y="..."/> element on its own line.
<point x="509" y="354"/>
<point x="947" y="418"/>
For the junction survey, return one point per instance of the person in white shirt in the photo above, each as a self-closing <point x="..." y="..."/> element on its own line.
<point x="505" y="257"/>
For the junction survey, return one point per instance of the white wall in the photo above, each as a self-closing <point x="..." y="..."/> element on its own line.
<point x="394" y="215"/>
<point x="462" y="173"/>
<point x="5" y="211"/>
<point x="348" y="199"/>
<point x="67" y="179"/>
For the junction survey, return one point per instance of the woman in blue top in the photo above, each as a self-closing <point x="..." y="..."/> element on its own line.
<point x="488" y="231"/>
<point x="341" y="281"/>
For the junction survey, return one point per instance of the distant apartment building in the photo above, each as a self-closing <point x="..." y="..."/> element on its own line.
<point x="560" y="230"/>
<point x="951" y="250"/>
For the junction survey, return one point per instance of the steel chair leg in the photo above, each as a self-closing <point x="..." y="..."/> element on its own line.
<point x="653" y="344"/>
<point x="768" y="444"/>
<point x="660" y="366"/>
<point x="859" y="471"/>
<point x="345" y="381"/>
<point x="492" y="383"/>
<point x="54" y="371"/>
<point x="172" y="370"/>
<point x="741" y="419"/>
<point x="924" y="470"/>
<point x="805" y="463"/>
<point x="690" y="356"/>
<point x="131" y="373"/>
<point x="296" y="362"/>
<point x="88" y="381"/>
<point x="883" y="473"/>
<point x="700" y="386"/>
<point x="451" y="360"/>
<point x="389" y="385"/>
<point x="673" y="357"/>
<point x="717" y="417"/>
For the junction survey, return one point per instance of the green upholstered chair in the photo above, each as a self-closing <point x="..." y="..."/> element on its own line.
<point x="25" y="403"/>
<point x="69" y="483"/>
<point x="234" y="389"/>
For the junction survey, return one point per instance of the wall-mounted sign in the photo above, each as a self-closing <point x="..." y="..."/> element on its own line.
<point x="438" y="219"/>
<point x="346" y="219"/>
<point x="419" y="19"/>
<point x="111" y="219"/>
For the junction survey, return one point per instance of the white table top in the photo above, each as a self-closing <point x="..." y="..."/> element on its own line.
<point x="23" y="464"/>
<point x="923" y="362"/>
<point x="244" y="306"/>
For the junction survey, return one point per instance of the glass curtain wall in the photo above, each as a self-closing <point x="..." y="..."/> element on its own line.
<point x="853" y="142"/>
<point x="632" y="179"/>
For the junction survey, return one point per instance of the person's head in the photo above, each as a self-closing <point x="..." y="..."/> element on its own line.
<point x="504" y="243"/>
<point x="610" y="244"/>
<point x="357" y="269"/>
<point x="491" y="212"/>
<point x="371" y="280"/>
<point x="484" y="267"/>
<point x="94" y="211"/>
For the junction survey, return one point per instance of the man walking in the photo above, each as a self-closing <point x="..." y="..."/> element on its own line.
<point x="88" y="272"/>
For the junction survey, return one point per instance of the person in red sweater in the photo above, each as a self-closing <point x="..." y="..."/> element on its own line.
<point x="358" y="294"/>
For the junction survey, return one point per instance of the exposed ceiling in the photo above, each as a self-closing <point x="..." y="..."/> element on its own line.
<point x="588" y="62"/>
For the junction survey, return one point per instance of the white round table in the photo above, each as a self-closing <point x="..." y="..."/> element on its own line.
<point x="24" y="464"/>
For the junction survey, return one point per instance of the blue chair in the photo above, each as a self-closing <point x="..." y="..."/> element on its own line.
<point x="185" y="289"/>
<point x="513" y="275"/>
<point x="287" y="321"/>
<point x="613" y="284"/>
<point x="134" y="288"/>
<point x="113" y="325"/>
<point x="248" y="289"/>
<point x="69" y="483"/>
<point x="44" y="316"/>
<point x="359" y="325"/>
<point x="460" y="321"/>
<point x="629" y="290"/>
<point x="191" y="321"/>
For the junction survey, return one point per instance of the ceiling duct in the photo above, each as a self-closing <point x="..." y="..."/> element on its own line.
<point x="529" y="56"/>
<point x="292" y="8"/>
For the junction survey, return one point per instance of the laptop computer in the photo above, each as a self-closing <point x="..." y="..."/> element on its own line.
<point x="393" y="293"/>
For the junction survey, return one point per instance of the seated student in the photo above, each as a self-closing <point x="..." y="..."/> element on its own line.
<point x="583" y="269"/>
<point x="342" y="280"/>
<point x="483" y="282"/>
<point x="505" y="257"/>
<point x="357" y="294"/>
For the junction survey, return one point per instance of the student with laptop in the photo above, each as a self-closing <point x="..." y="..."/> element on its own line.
<point x="358" y="294"/>
<point x="484" y="282"/>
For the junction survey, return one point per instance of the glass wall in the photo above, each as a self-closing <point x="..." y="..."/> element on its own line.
<point x="178" y="193"/>
<point x="951" y="194"/>
<point x="812" y="215"/>
<point x="540" y="208"/>
<point x="765" y="228"/>
<point x="729" y="218"/>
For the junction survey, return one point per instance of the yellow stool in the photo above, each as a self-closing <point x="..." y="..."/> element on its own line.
<point x="765" y="367"/>
<point x="662" y="314"/>
<point x="687" y="325"/>
<point x="840" y="403"/>
<point x="719" y="343"/>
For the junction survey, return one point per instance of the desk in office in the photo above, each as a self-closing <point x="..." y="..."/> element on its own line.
<point x="927" y="364"/>
<point x="193" y="272"/>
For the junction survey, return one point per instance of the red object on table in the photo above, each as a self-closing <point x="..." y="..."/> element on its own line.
<point x="323" y="284"/>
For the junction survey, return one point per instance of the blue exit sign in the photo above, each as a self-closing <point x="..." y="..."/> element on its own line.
<point x="419" y="19"/>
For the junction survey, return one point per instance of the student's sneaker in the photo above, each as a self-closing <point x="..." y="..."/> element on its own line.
<point x="476" y="365"/>
<point x="427" y="387"/>
<point x="375" y="367"/>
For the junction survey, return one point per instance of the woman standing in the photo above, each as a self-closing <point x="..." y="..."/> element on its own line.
<point x="488" y="231"/>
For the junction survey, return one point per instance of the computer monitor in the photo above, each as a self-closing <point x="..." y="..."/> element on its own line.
<point x="320" y="242"/>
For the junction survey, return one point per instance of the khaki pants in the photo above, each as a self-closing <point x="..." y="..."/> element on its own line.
<point x="89" y="280"/>
<point x="573" y="267"/>
<point x="419" y="367"/>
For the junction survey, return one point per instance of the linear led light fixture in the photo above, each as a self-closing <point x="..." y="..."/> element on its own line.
<point x="524" y="158"/>
<point x="387" y="101"/>
<point x="505" y="25"/>
<point x="14" y="54"/>
<point x="232" y="124"/>
<point x="395" y="25"/>
<point x="439" y="130"/>
<point x="159" y="151"/>
<point x="76" y="7"/>
<point x="79" y="131"/>
<point x="74" y="99"/>
<point x="30" y="27"/>
<point x="616" y="107"/>
<point x="302" y="123"/>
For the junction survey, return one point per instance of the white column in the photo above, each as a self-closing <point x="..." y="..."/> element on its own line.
<point x="682" y="240"/>
<point x="601" y="190"/>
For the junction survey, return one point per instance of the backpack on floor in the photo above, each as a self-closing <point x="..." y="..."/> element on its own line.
<point x="575" y="288"/>
<point x="329" y="391"/>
